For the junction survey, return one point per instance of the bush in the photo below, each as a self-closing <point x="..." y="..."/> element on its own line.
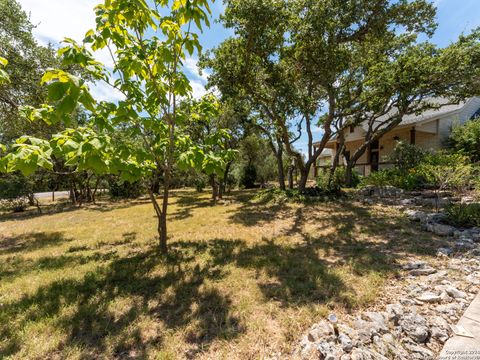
<point x="447" y="170"/>
<point x="309" y="196"/>
<point x="406" y="156"/>
<point x="200" y="184"/>
<point x="466" y="139"/>
<point x="338" y="180"/>
<point x="123" y="189"/>
<point x="16" y="205"/>
<point x="248" y="176"/>
<point x="15" y="185"/>
<point x="408" y="180"/>
<point x="467" y="215"/>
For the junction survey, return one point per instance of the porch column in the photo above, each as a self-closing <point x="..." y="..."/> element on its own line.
<point x="413" y="133"/>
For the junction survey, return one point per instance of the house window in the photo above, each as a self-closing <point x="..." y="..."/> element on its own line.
<point x="352" y="129"/>
<point x="346" y="155"/>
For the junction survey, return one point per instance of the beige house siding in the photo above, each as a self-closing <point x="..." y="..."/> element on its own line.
<point x="430" y="134"/>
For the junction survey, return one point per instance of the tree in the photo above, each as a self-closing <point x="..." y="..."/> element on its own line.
<point x="446" y="171"/>
<point x="147" y="48"/>
<point x="406" y="78"/>
<point x="296" y="61"/>
<point x="466" y="138"/>
<point x="207" y="129"/>
<point x="27" y="63"/>
<point x="240" y="79"/>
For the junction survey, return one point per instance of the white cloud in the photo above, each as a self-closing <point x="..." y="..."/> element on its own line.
<point x="57" y="19"/>
<point x="103" y="92"/>
<point x="198" y="89"/>
<point x="191" y="64"/>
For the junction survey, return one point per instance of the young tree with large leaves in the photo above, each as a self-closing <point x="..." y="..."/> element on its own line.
<point x="207" y="127"/>
<point x="148" y="42"/>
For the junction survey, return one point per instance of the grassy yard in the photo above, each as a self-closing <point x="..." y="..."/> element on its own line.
<point x="243" y="279"/>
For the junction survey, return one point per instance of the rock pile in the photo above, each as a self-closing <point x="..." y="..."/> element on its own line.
<point x="414" y="327"/>
<point x="417" y="321"/>
<point x="466" y="239"/>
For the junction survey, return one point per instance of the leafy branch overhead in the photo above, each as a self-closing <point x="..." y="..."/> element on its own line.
<point x="141" y="136"/>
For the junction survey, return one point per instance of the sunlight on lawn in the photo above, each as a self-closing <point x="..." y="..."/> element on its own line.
<point x="242" y="279"/>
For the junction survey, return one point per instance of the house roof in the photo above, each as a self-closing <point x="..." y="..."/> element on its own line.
<point x="326" y="153"/>
<point x="444" y="109"/>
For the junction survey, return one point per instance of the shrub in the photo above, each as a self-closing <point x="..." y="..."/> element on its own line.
<point x="200" y="184"/>
<point x="406" y="156"/>
<point x="338" y="180"/>
<point x="309" y="196"/>
<point x="447" y="170"/>
<point x="466" y="139"/>
<point x="248" y="176"/>
<point x="466" y="215"/>
<point x="16" y="205"/>
<point x="123" y="189"/>
<point x="407" y="180"/>
<point x="15" y="185"/>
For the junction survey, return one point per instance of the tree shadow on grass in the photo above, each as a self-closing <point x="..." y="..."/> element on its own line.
<point x="30" y="241"/>
<point x="187" y="202"/>
<point x="171" y="291"/>
<point x="18" y="266"/>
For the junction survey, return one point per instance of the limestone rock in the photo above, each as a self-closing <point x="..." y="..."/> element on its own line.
<point x="439" y="334"/>
<point x="444" y="251"/>
<point x="429" y="297"/>
<point x="345" y="342"/>
<point x="415" y="326"/>
<point x="455" y="293"/>
<point x="376" y="318"/>
<point x="394" y="312"/>
<point x="320" y="331"/>
<point x="422" y="272"/>
<point x="440" y="229"/>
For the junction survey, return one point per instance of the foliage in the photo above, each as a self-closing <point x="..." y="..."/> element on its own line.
<point x="15" y="190"/>
<point x="310" y="195"/>
<point x="27" y="62"/>
<point x="303" y="63"/>
<point x="337" y="182"/>
<point x="148" y="48"/>
<point x="248" y="176"/>
<point x="200" y="184"/>
<point x="467" y="215"/>
<point x="119" y="188"/>
<point x="18" y="204"/>
<point x="14" y="186"/>
<point x="466" y="139"/>
<point x="406" y="156"/>
<point x="407" y="180"/>
<point x="447" y="170"/>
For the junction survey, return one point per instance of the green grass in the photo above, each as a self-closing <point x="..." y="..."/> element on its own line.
<point x="242" y="280"/>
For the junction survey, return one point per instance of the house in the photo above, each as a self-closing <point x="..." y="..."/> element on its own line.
<point x="325" y="158"/>
<point x="428" y="130"/>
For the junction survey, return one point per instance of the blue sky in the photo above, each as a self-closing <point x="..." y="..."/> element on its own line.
<point x="56" y="19"/>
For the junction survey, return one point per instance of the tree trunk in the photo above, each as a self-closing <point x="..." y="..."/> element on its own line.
<point x="94" y="193"/>
<point x="162" y="221"/>
<point x="213" y="183"/>
<point x="349" y="173"/>
<point x="224" y="181"/>
<point x="291" y="168"/>
<point x="281" y="172"/>
<point x="302" y="184"/>
<point x="162" y="218"/>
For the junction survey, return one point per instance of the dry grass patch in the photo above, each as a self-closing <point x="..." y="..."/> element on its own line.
<point x="243" y="279"/>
